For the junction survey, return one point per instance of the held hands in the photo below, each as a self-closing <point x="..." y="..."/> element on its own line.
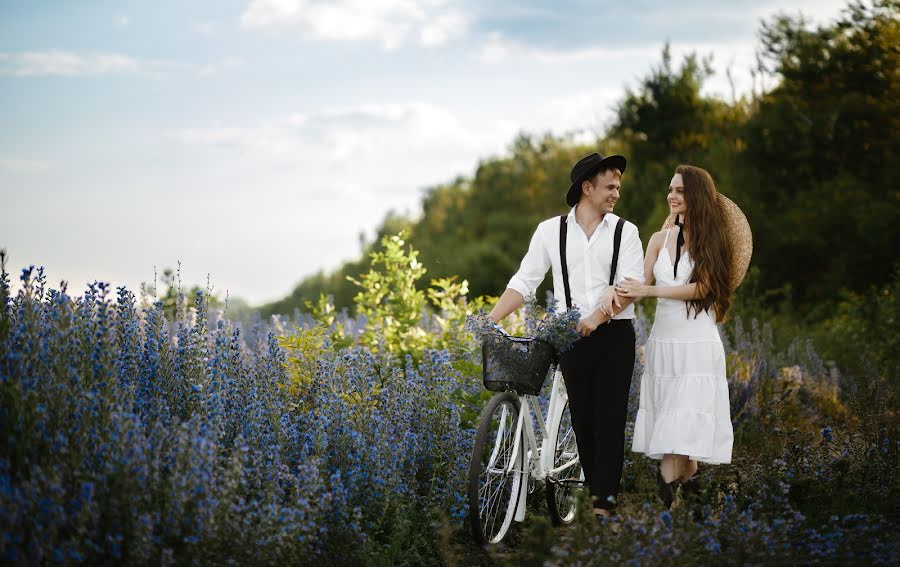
<point x="587" y="325"/>
<point x="605" y="311"/>
<point x="630" y="287"/>
<point x="606" y="302"/>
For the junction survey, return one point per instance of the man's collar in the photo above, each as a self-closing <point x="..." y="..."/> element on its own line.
<point x="606" y="218"/>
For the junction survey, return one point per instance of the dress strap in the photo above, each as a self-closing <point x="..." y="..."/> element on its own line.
<point x="666" y="241"/>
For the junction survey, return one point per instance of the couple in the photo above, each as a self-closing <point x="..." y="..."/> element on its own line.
<point x="599" y="267"/>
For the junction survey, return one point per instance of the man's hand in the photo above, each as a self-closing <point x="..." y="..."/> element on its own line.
<point x="587" y="325"/>
<point x="499" y="329"/>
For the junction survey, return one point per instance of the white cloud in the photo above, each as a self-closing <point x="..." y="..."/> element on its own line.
<point x="123" y="21"/>
<point x="582" y="113"/>
<point x="390" y="22"/>
<point x="369" y="131"/>
<point x="499" y="49"/>
<point x="442" y="29"/>
<point x="396" y="148"/>
<point x="631" y="62"/>
<point x="66" y="63"/>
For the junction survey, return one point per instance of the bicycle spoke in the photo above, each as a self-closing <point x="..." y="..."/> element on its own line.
<point x="567" y="474"/>
<point x="496" y="497"/>
<point x="495" y="494"/>
<point x="495" y="504"/>
<point x="500" y="434"/>
<point x="495" y="507"/>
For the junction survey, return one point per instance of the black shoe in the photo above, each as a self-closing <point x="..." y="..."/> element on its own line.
<point x="692" y="491"/>
<point x="692" y="487"/>
<point x="604" y="511"/>
<point x="665" y="490"/>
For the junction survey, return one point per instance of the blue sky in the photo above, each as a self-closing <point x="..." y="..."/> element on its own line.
<point x="254" y="140"/>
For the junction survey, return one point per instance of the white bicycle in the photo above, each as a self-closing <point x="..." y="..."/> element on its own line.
<point x="507" y="456"/>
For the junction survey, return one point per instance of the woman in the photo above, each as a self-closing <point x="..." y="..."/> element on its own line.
<point x="684" y="414"/>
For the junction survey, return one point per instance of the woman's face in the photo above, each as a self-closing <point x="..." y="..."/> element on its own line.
<point x="677" y="204"/>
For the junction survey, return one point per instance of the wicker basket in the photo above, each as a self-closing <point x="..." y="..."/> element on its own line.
<point x="519" y="364"/>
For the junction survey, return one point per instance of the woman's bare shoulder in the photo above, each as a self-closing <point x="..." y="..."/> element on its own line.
<point x="657" y="239"/>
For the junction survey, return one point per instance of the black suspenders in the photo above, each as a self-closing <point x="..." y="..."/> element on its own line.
<point x="562" y="260"/>
<point x="617" y="241"/>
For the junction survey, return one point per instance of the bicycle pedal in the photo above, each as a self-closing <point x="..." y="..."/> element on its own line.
<point x="568" y="483"/>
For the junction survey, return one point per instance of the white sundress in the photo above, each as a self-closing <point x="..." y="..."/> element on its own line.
<point x="684" y="407"/>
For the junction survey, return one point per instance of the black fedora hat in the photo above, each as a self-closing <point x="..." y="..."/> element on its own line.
<point x="586" y="168"/>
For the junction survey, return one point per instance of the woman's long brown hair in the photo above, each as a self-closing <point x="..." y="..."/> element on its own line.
<point x="709" y="247"/>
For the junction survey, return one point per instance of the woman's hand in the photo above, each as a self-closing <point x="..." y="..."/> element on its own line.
<point x="630" y="287"/>
<point x="607" y="300"/>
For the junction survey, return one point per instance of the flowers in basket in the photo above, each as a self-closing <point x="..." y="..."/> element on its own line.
<point x="521" y="363"/>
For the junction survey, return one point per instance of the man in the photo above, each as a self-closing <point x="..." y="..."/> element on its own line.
<point x="597" y="371"/>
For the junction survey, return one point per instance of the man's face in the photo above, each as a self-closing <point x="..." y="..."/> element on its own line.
<point x="604" y="192"/>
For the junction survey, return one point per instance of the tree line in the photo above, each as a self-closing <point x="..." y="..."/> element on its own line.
<point x="811" y="161"/>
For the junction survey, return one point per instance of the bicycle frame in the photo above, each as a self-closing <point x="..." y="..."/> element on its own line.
<point x="539" y="459"/>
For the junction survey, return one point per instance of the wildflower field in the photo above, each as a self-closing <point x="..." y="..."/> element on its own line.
<point x="131" y="437"/>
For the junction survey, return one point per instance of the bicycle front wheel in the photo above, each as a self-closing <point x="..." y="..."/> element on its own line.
<point x="563" y="485"/>
<point x="494" y="480"/>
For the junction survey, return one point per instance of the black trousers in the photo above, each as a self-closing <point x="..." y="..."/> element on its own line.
<point x="597" y="372"/>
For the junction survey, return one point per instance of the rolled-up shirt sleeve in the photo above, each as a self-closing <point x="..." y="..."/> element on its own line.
<point x="534" y="266"/>
<point x="631" y="260"/>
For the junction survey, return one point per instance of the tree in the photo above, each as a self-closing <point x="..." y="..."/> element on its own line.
<point x="822" y="148"/>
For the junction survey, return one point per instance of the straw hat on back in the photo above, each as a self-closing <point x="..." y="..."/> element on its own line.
<point x="737" y="231"/>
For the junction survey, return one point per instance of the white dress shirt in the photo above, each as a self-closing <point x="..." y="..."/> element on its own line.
<point x="588" y="261"/>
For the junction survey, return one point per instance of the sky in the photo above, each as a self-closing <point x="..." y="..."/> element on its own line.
<point x="255" y="141"/>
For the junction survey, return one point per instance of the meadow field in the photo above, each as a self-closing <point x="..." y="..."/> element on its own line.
<point x="133" y="438"/>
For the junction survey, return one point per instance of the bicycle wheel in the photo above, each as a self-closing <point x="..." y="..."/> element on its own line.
<point x="562" y="488"/>
<point x="493" y="488"/>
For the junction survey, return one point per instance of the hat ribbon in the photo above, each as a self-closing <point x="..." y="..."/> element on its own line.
<point x="678" y="243"/>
